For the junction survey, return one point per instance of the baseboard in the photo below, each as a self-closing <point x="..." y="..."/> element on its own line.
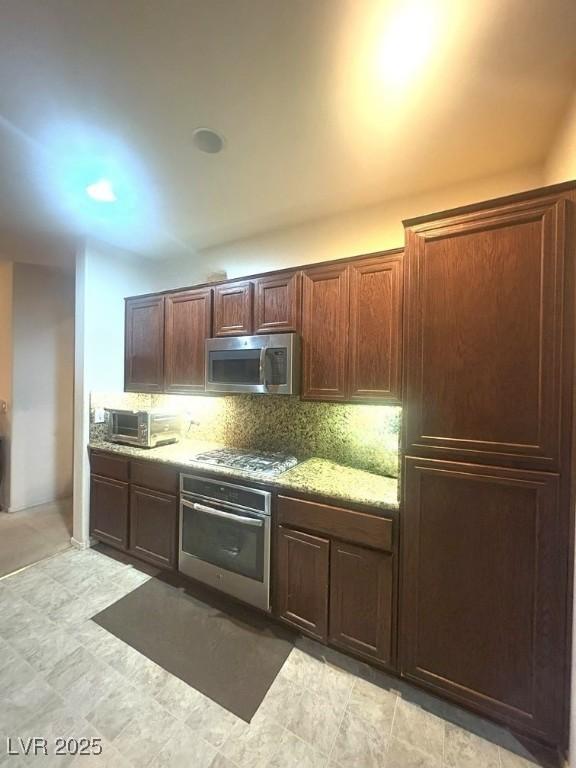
<point x="13" y="510"/>
<point x="83" y="544"/>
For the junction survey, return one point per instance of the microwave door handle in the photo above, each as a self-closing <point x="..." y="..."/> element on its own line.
<point x="226" y="515"/>
<point x="263" y="353"/>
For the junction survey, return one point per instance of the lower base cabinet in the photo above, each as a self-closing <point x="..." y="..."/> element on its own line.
<point x="109" y="511"/>
<point x="153" y="526"/>
<point x="483" y="620"/>
<point x="361" y="589"/>
<point x="134" y="507"/>
<point x="302" y="581"/>
<point x="339" y="592"/>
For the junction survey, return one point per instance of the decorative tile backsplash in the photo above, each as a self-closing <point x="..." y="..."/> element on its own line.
<point x="363" y="436"/>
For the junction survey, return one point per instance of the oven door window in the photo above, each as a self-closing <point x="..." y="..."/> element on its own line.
<point x="238" y="366"/>
<point x="233" y="543"/>
<point x="125" y="424"/>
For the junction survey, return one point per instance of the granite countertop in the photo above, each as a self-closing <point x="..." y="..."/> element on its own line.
<point x="313" y="476"/>
<point x="320" y="476"/>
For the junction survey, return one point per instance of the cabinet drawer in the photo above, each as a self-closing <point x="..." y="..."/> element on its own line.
<point x="345" y="524"/>
<point x="107" y="465"/>
<point x="155" y="476"/>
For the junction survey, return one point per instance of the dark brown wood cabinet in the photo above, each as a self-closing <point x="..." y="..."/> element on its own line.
<point x="352" y="330"/>
<point x="134" y="507"/>
<point x="373" y="530"/>
<point x="302" y="563"/>
<point x="144" y="344"/>
<point x="484" y="582"/>
<point x="484" y="323"/>
<point x="375" y="347"/>
<point x="348" y="314"/>
<point x="233" y="308"/>
<point x="109" y="510"/>
<point x="188" y="325"/>
<point x="361" y="600"/>
<point x="108" y="465"/>
<point x="155" y="476"/>
<point x="325" y="332"/>
<point x="335" y="576"/>
<point x="154" y="526"/>
<point x="277" y="303"/>
<point x="488" y="433"/>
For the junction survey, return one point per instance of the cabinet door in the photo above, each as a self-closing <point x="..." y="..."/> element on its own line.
<point x="277" y="303"/>
<point x="302" y="581"/>
<point x="144" y="345"/>
<point x="361" y="605"/>
<point x="484" y="590"/>
<point x="153" y="526"/>
<point x="484" y="326"/>
<point x="325" y="304"/>
<point x="109" y="511"/>
<point x="188" y="325"/>
<point x="233" y="309"/>
<point x="375" y="329"/>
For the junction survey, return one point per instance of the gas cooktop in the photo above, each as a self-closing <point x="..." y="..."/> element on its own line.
<point x="269" y="464"/>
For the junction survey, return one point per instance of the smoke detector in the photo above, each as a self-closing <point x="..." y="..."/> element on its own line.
<point x="207" y="140"/>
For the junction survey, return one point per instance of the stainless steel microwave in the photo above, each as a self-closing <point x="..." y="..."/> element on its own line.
<point x="261" y="364"/>
<point x="145" y="429"/>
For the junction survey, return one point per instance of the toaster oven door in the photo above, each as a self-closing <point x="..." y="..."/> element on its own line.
<point x="125" y="427"/>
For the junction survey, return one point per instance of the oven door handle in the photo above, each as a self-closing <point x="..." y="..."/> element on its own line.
<point x="226" y="515"/>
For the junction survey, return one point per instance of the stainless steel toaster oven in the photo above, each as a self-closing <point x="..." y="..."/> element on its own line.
<point x="145" y="429"/>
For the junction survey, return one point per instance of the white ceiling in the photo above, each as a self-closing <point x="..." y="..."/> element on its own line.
<point x="313" y="122"/>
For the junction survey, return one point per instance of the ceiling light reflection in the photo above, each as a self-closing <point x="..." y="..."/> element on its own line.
<point x="98" y="185"/>
<point x="101" y="191"/>
<point x="409" y="35"/>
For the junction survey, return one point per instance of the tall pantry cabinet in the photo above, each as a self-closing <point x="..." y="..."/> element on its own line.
<point x="489" y="337"/>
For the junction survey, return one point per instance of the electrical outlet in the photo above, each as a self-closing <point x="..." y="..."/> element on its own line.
<point x="99" y="415"/>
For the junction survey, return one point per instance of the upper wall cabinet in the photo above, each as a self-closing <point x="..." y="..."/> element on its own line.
<point x="144" y="345"/>
<point x="484" y="304"/>
<point x="375" y="328"/>
<point x="277" y="303"/>
<point x="351" y="330"/>
<point x="188" y="325"/>
<point x="348" y="314"/>
<point x="325" y="332"/>
<point x="233" y="309"/>
<point x="268" y="304"/>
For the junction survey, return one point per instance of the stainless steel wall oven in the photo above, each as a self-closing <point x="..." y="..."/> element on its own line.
<point x="225" y="537"/>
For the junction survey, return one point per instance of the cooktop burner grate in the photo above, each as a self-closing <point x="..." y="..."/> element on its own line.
<point x="270" y="464"/>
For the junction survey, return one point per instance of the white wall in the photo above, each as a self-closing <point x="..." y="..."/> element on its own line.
<point x="561" y="162"/>
<point x="42" y="385"/>
<point x="6" y="278"/>
<point x="43" y="250"/>
<point x="104" y="277"/>
<point x="363" y="231"/>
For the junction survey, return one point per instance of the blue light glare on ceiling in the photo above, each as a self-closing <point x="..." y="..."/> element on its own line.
<point x="98" y="185"/>
<point x="102" y="191"/>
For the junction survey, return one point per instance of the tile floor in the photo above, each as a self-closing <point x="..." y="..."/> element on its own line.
<point x="34" y="534"/>
<point x="61" y="675"/>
